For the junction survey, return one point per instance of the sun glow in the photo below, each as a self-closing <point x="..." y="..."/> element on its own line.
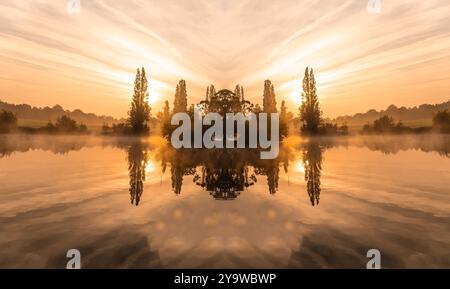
<point x="150" y="168"/>
<point x="296" y="97"/>
<point x="93" y="56"/>
<point x="299" y="167"/>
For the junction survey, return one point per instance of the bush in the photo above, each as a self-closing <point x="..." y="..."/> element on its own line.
<point x="65" y="124"/>
<point x="333" y="129"/>
<point x="387" y="125"/>
<point x="8" y="121"/>
<point x="384" y="124"/>
<point x="117" y="129"/>
<point x="441" y="122"/>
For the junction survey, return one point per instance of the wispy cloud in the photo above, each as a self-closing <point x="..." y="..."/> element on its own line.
<point x="362" y="60"/>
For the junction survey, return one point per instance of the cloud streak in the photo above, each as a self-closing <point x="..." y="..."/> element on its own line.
<point x="361" y="60"/>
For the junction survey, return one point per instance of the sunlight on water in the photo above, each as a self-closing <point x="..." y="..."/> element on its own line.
<point x="138" y="204"/>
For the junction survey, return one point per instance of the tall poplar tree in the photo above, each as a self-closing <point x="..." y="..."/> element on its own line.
<point x="310" y="113"/>
<point x="139" y="114"/>
<point x="180" y="102"/>
<point x="269" y="100"/>
<point x="284" y="120"/>
<point x="165" y="120"/>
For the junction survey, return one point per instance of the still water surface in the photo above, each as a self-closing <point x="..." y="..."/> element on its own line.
<point x="136" y="204"/>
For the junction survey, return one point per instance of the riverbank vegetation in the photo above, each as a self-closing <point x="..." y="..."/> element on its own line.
<point x="63" y="125"/>
<point x="309" y="120"/>
<point x="387" y="125"/>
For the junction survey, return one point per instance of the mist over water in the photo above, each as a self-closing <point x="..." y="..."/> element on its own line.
<point x="136" y="203"/>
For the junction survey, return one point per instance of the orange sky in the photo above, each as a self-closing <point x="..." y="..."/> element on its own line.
<point x="88" y="60"/>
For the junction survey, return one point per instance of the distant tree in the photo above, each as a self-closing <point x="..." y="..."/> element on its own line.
<point x="180" y="102"/>
<point x="441" y="121"/>
<point x="384" y="124"/>
<point x="121" y="129"/>
<point x="63" y="124"/>
<point x="366" y="129"/>
<point x="106" y="129"/>
<point x="328" y="129"/>
<point x="207" y="94"/>
<point x="8" y="121"/>
<point x="25" y="111"/>
<point x="139" y="114"/>
<point x="269" y="98"/>
<point x="166" y="120"/>
<point x="210" y="92"/>
<point x="284" y="120"/>
<point x="82" y="128"/>
<point x="49" y="128"/>
<point x="310" y="114"/>
<point x="239" y="92"/>
<point x="257" y="108"/>
<point x="333" y="129"/>
<point x="343" y="130"/>
<point x="66" y="124"/>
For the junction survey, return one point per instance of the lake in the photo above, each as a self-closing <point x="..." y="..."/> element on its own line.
<point x="129" y="203"/>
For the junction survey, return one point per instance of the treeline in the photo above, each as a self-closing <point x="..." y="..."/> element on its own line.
<point x="414" y="116"/>
<point x="37" y="115"/>
<point x="62" y="125"/>
<point x="312" y="123"/>
<point x="139" y="119"/>
<point x="223" y="102"/>
<point x="387" y="125"/>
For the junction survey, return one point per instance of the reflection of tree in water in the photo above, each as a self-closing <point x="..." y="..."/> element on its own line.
<point x="177" y="172"/>
<point x="223" y="173"/>
<point x="137" y="162"/>
<point x="224" y="183"/>
<point x="312" y="161"/>
<point x="55" y="144"/>
<point x="272" y="171"/>
<point x="224" y="177"/>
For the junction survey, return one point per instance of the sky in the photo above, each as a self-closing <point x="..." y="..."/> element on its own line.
<point x="88" y="60"/>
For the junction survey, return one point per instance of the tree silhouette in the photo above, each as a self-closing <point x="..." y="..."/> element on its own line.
<point x="180" y="102"/>
<point x="165" y="120"/>
<point x="139" y="114"/>
<point x="64" y="124"/>
<point x="239" y="92"/>
<point x="441" y="121"/>
<point x="269" y="99"/>
<point x="8" y="121"/>
<point x="285" y="117"/>
<point x="310" y="113"/>
<point x="312" y="162"/>
<point x="137" y="162"/>
<point x="210" y="92"/>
